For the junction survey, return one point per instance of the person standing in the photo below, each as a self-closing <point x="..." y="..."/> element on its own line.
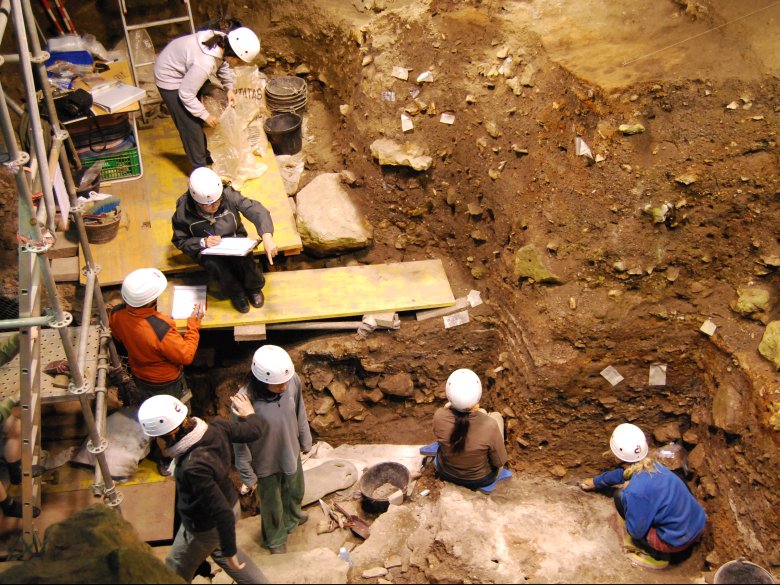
<point x="210" y="211"/>
<point x="662" y="516"/>
<point x="471" y="443"/>
<point x="273" y="462"/>
<point x="206" y="500"/>
<point x="183" y="68"/>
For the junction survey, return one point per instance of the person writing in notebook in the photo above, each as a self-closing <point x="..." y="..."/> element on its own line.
<point x="210" y="211"/>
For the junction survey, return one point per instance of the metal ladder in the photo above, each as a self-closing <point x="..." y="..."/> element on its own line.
<point x="35" y="229"/>
<point x="128" y="28"/>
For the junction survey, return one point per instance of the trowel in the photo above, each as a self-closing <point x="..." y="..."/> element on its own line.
<point x="355" y="523"/>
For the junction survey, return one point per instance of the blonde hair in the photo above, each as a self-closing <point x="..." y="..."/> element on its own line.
<point x="648" y="464"/>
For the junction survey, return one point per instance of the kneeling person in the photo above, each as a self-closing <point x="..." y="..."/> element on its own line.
<point x="210" y="211"/>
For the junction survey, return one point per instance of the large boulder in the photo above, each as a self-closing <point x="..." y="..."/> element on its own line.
<point x="328" y="221"/>
<point x="95" y="545"/>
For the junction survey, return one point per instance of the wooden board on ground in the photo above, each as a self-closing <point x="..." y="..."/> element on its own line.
<point x="51" y="350"/>
<point x="324" y="293"/>
<point x="144" y="238"/>
<point x="148" y="502"/>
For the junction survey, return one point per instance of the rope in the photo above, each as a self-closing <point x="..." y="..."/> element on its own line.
<point x="625" y="63"/>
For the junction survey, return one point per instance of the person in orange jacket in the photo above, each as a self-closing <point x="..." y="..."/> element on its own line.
<point x="156" y="351"/>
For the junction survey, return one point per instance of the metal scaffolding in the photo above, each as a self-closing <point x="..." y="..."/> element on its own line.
<point x="36" y="235"/>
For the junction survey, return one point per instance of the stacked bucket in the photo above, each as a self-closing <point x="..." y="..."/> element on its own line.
<point x="286" y="98"/>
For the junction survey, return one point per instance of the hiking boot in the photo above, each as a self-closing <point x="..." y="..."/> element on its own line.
<point x="645" y="561"/>
<point x="164" y="467"/>
<point x="303" y="518"/>
<point x="240" y="304"/>
<point x="13" y="508"/>
<point x="278" y="550"/>
<point x="257" y="299"/>
<point x="15" y="472"/>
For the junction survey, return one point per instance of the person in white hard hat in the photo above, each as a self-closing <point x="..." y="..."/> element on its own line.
<point x="662" y="517"/>
<point x="272" y="464"/>
<point x="210" y="211"/>
<point x="156" y="351"/>
<point x="471" y="442"/>
<point x="206" y="499"/>
<point x="183" y="68"/>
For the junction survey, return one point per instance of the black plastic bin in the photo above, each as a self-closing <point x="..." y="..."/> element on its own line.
<point x="284" y="133"/>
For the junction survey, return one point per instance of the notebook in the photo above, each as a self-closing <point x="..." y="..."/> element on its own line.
<point x="116" y="96"/>
<point x="185" y="298"/>
<point x="232" y="247"/>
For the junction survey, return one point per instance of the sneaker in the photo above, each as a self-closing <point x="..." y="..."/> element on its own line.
<point x="12" y="508"/>
<point x="303" y="518"/>
<point x="240" y="304"/>
<point x="645" y="561"/>
<point x="257" y="299"/>
<point x="164" y="467"/>
<point x="278" y="550"/>
<point x="15" y="472"/>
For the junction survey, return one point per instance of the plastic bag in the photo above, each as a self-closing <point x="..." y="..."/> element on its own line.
<point x="291" y="169"/>
<point x="230" y="149"/>
<point x="91" y="44"/>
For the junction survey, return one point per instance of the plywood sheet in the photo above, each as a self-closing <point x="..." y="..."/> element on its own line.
<point x="304" y="295"/>
<point x="144" y="238"/>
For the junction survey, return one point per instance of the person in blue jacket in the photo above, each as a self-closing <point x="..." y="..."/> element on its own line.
<point x="661" y="514"/>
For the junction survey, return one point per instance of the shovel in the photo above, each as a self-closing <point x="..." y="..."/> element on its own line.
<point x="355" y="523"/>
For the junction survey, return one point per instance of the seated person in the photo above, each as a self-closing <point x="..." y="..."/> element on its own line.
<point x="210" y="211"/>
<point x="471" y="442"/>
<point x="662" y="515"/>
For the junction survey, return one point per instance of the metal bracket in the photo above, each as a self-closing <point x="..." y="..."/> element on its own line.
<point x="83" y="389"/>
<point x="78" y="208"/>
<point x="100" y="448"/>
<point x="61" y="135"/>
<point x="96" y="269"/>
<point x="42" y="58"/>
<point x="117" y="500"/>
<point x="67" y="319"/>
<point x="16" y="165"/>
<point x="35" y="248"/>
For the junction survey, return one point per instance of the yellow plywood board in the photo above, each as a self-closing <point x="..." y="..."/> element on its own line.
<point x="144" y="238"/>
<point x="324" y="293"/>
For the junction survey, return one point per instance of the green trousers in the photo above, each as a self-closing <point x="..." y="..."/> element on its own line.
<point x="280" y="498"/>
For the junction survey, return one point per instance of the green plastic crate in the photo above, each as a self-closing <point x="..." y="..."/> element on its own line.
<point x="121" y="165"/>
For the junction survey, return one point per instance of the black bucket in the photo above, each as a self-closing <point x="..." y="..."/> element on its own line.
<point x="378" y="475"/>
<point x="284" y="133"/>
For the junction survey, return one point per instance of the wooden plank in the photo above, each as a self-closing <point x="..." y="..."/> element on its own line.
<point x="144" y="238"/>
<point x="65" y="269"/>
<point x="149" y="501"/>
<point x="63" y="248"/>
<point x="325" y="293"/>
<point x="254" y="332"/>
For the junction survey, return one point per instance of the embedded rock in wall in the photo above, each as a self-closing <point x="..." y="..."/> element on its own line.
<point x="770" y="343"/>
<point x="529" y="264"/>
<point x="753" y="302"/>
<point x="728" y="409"/>
<point x="409" y="154"/>
<point x="328" y="221"/>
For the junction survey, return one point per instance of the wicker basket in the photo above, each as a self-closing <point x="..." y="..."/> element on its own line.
<point x="104" y="228"/>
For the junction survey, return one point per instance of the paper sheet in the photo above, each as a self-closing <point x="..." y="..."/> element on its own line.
<point x="185" y="298"/>
<point x="232" y="247"/>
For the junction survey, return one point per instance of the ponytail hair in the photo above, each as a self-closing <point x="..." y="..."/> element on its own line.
<point x="647" y="464"/>
<point x="458" y="436"/>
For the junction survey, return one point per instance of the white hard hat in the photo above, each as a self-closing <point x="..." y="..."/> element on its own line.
<point x="464" y="389"/>
<point x="142" y="286"/>
<point x="244" y="43"/>
<point x="161" y="414"/>
<point x="205" y="186"/>
<point x="272" y="365"/>
<point x="628" y="443"/>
